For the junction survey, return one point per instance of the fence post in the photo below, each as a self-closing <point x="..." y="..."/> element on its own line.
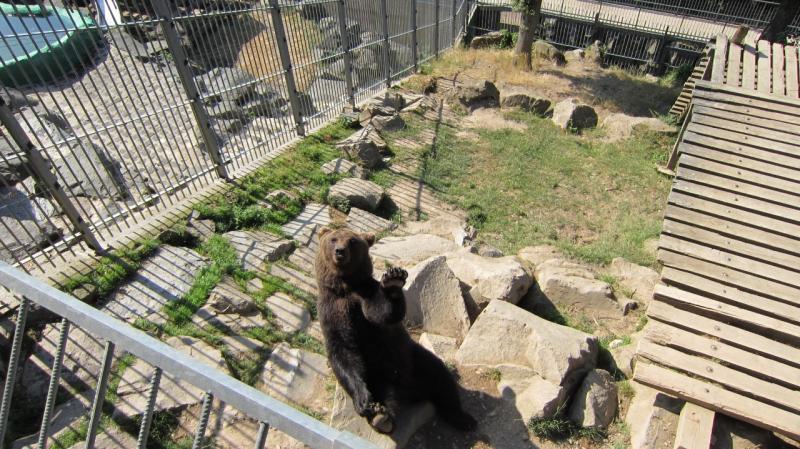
<point x="436" y="28"/>
<point x="288" y="70"/>
<point x="455" y="13"/>
<point x="40" y="169"/>
<point x="208" y="135"/>
<point x="348" y="55"/>
<point x="659" y="59"/>
<point x="414" y="35"/>
<point x="387" y="60"/>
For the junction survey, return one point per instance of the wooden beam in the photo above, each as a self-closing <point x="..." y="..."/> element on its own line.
<point x="722" y="140"/>
<point x="764" y="67"/>
<point x="720" y="55"/>
<point x="734" y="65"/>
<point x="694" y="427"/>
<point x="751" y="130"/>
<point x="753" y="164"/>
<point x="778" y="73"/>
<point x="785" y="152"/>
<point x="751" y="116"/>
<point x="686" y="170"/>
<point x="749" y="67"/>
<point x="790" y="57"/>
<point x="718" y="399"/>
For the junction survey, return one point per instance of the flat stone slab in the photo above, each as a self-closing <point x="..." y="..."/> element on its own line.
<point x="254" y="248"/>
<point x="409" y="250"/>
<point x="228" y="298"/>
<point x="358" y="193"/>
<point x="363" y="221"/>
<point x="296" y="376"/>
<point x="289" y="315"/>
<point x="232" y="323"/>
<point x="295" y="278"/>
<point x="111" y="438"/>
<point x="313" y="215"/>
<point x="164" y="277"/>
<point x="341" y="166"/>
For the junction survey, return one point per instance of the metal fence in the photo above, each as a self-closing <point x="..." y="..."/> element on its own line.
<point x="220" y="393"/>
<point x="114" y="112"/>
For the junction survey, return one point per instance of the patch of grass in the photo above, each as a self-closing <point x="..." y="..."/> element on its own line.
<point x="559" y="428"/>
<point x="383" y="178"/>
<point x="677" y="76"/>
<point x="642" y="323"/>
<point x="114" y="268"/>
<point x="593" y="200"/>
<point x="493" y="374"/>
<point x="626" y="389"/>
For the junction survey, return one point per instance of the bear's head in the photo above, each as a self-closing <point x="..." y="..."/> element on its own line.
<point x="344" y="252"/>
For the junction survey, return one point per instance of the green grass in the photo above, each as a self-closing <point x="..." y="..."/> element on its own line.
<point x="559" y="428"/>
<point x="593" y="200"/>
<point x="114" y="268"/>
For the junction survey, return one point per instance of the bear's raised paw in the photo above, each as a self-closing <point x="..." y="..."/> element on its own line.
<point x="394" y="277"/>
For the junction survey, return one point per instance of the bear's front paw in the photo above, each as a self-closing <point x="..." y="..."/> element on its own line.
<point x="383" y="422"/>
<point x="394" y="277"/>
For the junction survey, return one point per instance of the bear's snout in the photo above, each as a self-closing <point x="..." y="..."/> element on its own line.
<point x="340" y="254"/>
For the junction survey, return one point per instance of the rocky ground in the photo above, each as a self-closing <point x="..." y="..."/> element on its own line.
<point x="537" y="339"/>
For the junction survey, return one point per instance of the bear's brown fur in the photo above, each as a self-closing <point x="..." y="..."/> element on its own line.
<point x="371" y="353"/>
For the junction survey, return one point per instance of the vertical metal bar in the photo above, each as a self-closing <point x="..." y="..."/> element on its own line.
<point x="212" y="144"/>
<point x="205" y="413"/>
<point x="453" y="25"/>
<point x="55" y="379"/>
<point x="288" y="70"/>
<point x="436" y="28"/>
<point x="348" y="55"/>
<point x="41" y="169"/>
<point x="261" y="436"/>
<point x="387" y="68"/>
<point x="99" y="395"/>
<point x="414" y="43"/>
<point x="147" y="417"/>
<point x="13" y="365"/>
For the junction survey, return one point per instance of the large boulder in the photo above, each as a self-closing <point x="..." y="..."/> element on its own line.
<point x="533" y="396"/>
<point x="374" y="109"/>
<point x="23" y="226"/>
<point x="356" y="192"/>
<point x="636" y="280"/>
<point x="296" y="376"/>
<point x="594" y="405"/>
<point x="490" y="278"/>
<point x="574" y="286"/>
<point x="388" y="123"/>
<point x="505" y="334"/>
<point x="365" y="147"/>
<point x="434" y="300"/>
<point x="341" y="166"/>
<point x="572" y="114"/>
<point x="533" y="256"/>
<point x="226" y="84"/>
<point x="477" y="95"/>
<point x="652" y="418"/>
<point x="488" y="40"/>
<point x="545" y="51"/>
<point x="525" y="102"/>
<point x="254" y="248"/>
<point x="408" y="250"/>
<point x="228" y="298"/>
<point x="441" y="346"/>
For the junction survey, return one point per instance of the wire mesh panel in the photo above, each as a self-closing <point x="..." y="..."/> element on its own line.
<point x="426" y="28"/>
<point x="400" y="37"/>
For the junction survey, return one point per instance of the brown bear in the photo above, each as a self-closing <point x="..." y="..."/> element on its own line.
<point x="371" y="353"/>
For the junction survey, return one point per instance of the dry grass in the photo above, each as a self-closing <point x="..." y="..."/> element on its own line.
<point x="260" y="56"/>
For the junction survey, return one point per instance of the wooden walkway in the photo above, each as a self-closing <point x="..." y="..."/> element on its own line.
<point x="724" y="329"/>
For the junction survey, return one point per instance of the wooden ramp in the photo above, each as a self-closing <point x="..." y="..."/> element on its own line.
<point x="762" y="66"/>
<point x="724" y="329"/>
<point x="702" y="70"/>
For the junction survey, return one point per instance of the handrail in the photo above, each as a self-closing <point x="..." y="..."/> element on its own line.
<point x="247" y="399"/>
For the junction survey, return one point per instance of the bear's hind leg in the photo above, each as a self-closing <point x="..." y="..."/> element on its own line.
<point x="432" y="376"/>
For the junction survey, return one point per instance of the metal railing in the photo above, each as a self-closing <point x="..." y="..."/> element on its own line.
<point x="167" y="362"/>
<point x="167" y="97"/>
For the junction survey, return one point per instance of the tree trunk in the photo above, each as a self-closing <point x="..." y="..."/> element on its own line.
<point x="531" y="14"/>
<point x="786" y="12"/>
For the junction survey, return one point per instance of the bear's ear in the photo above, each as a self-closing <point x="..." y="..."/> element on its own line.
<point x="323" y="230"/>
<point x="370" y="238"/>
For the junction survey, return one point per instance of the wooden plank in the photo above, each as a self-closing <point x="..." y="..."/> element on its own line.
<point x="790" y="175"/>
<point x="767" y="368"/>
<point x="778" y="74"/>
<point x="784" y="232"/>
<point x="745" y="339"/>
<point x="728" y="377"/>
<point x="788" y="332"/>
<point x="734" y="65"/>
<point x="731" y="260"/>
<point x="695" y="425"/>
<point x="764" y="74"/>
<point x="752" y="97"/>
<point x="750" y="130"/>
<point x="720" y="55"/>
<point x="777" y="118"/>
<point x="718" y="399"/>
<point x="742" y="231"/>
<point x="755" y="205"/>
<point x="686" y="171"/>
<point x="790" y="56"/>
<point x="710" y="137"/>
<point x="731" y="276"/>
<point x="744" y="115"/>
<point x="749" y="67"/>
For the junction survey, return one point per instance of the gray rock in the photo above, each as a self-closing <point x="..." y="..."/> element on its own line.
<point x="254" y="248"/>
<point x="372" y="110"/>
<point x="652" y="418"/>
<point x="576" y="55"/>
<point x="240" y="346"/>
<point x="485" y="250"/>
<point x="13" y="162"/>
<point x="296" y="376"/>
<point x="226" y="83"/>
<point x="488" y="40"/>
<point x="227" y="298"/>
<point x="358" y="193"/>
<point x="362" y="221"/>
<point x="87" y="170"/>
<point x="64" y="419"/>
<point x="594" y="405"/>
<point x="226" y="110"/>
<point x="624" y="358"/>
<point x="341" y="166"/>
<point x="16" y="100"/>
<point x="533" y="396"/>
<point x="505" y="334"/>
<point x="502" y="278"/>
<point x="575" y="287"/>
<point x="441" y="346"/>
<point x="620" y="126"/>
<point x="406" y="251"/>
<point x="173" y="393"/>
<point x="388" y="123"/>
<point x="21" y="227"/>
<point x="200" y="229"/>
<point x="593" y="54"/>
<point x="264" y="127"/>
<point x="111" y="438"/>
<point x="480" y="94"/>
<point x="391" y="99"/>
<point x="538" y="106"/>
<point x="407" y="423"/>
<point x="363" y="147"/>
<point x="165" y="276"/>
<point x="545" y="51"/>
<point x="434" y="301"/>
<point x="533" y="256"/>
<point x="228" y="323"/>
<point x="288" y="315"/>
<point x="571" y="114"/>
